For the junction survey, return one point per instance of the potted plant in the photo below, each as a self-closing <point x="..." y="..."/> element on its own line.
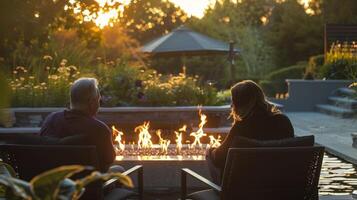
<point x="52" y="184"/>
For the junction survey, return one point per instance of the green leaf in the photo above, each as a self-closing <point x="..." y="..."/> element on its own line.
<point x="46" y="186"/>
<point x="95" y="176"/>
<point x="7" y="169"/>
<point x="67" y="189"/>
<point x="13" y="188"/>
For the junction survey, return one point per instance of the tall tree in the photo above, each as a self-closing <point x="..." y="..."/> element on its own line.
<point x="241" y="22"/>
<point x="147" y="19"/>
<point x="294" y="34"/>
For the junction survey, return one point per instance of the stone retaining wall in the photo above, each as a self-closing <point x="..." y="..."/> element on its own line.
<point x="130" y="117"/>
<point x="304" y="95"/>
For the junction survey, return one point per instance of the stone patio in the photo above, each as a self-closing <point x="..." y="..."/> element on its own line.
<point x="332" y="132"/>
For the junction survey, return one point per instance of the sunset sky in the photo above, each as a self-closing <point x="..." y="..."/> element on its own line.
<point x="195" y="8"/>
<point x="191" y="7"/>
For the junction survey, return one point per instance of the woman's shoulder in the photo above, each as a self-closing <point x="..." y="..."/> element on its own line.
<point x="280" y="117"/>
<point x="283" y="122"/>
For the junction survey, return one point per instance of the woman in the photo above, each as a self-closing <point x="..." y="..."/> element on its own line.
<point x="254" y="118"/>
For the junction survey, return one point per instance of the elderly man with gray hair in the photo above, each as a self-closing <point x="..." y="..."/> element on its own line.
<point x="80" y="120"/>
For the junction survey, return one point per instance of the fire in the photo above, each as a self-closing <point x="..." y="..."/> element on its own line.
<point x="164" y="144"/>
<point x="144" y="136"/>
<point x="199" y="133"/>
<point x="214" y="143"/>
<point x="117" y="134"/>
<point x="179" y="138"/>
<point x="144" y="146"/>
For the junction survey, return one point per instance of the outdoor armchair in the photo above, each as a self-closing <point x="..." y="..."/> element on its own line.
<point x="31" y="160"/>
<point x="264" y="173"/>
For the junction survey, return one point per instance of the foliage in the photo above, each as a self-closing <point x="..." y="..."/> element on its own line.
<point x="341" y="62"/>
<point x="54" y="184"/>
<point x="240" y="22"/>
<point x="4" y="100"/>
<point x="210" y="68"/>
<point x="293" y="33"/>
<point x="224" y="96"/>
<point x="31" y="22"/>
<point x="274" y="83"/>
<point x="177" y="90"/>
<point x="292" y="72"/>
<point x="148" y="19"/>
<point x="314" y="65"/>
<point x="48" y="88"/>
<point x="119" y="82"/>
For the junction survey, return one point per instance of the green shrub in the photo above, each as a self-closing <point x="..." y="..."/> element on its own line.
<point x="292" y="72"/>
<point x="274" y="82"/>
<point x="224" y="97"/>
<point x="315" y="63"/>
<point x="33" y="90"/>
<point x="119" y="82"/>
<point x="180" y="90"/>
<point x="339" y="69"/>
<point x="341" y="62"/>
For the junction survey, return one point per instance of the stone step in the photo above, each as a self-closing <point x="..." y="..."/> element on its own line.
<point x="343" y="102"/>
<point x="344" y="92"/>
<point x="335" y="111"/>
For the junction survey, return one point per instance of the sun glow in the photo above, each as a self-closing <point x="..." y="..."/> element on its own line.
<point x="106" y="17"/>
<point x="194" y="8"/>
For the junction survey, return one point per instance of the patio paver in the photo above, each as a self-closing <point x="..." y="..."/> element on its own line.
<point x="332" y="132"/>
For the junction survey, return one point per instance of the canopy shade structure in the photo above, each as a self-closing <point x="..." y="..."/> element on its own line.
<point x="185" y="42"/>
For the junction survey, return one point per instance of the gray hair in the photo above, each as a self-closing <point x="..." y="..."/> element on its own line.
<point x="82" y="91"/>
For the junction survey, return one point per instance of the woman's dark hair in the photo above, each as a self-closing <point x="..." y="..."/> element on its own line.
<point x="248" y="96"/>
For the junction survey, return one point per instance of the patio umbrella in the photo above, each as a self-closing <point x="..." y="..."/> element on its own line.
<point x="185" y="42"/>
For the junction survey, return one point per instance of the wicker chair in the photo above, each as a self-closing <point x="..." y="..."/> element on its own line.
<point x="264" y="173"/>
<point x="31" y="160"/>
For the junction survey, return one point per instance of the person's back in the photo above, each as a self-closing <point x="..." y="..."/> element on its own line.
<point x="260" y="126"/>
<point x="72" y="122"/>
<point x="254" y="117"/>
<point x="81" y="120"/>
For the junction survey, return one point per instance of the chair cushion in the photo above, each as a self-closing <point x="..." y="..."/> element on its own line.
<point x="79" y="139"/>
<point x="243" y="142"/>
<point x="27" y="139"/>
<point x="32" y="139"/>
<point x="119" y="193"/>
<point x="204" y="195"/>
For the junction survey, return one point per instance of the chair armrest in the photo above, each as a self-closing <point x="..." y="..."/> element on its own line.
<point x="184" y="172"/>
<point x="140" y="170"/>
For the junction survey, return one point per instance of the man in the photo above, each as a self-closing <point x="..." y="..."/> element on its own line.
<point x="80" y="120"/>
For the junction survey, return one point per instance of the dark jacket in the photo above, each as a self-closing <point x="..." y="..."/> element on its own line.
<point x="71" y="122"/>
<point x="261" y="125"/>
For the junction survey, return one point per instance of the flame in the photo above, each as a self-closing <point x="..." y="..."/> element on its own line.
<point x="179" y="138"/>
<point x="214" y="143"/>
<point x="117" y="134"/>
<point x="144" y="136"/>
<point x="164" y="144"/>
<point x="183" y="129"/>
<point x="199" y="133"/>
<point x="144" y="149"/>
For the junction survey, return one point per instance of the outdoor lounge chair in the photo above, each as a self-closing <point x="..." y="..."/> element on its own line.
<point x="279" y="173"/>
<point x="31" y="160"/>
